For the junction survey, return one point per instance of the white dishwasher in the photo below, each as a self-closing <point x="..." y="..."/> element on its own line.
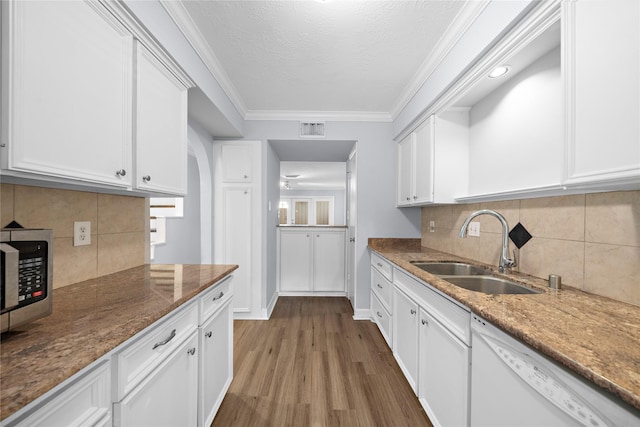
<point x="512" y="385"/>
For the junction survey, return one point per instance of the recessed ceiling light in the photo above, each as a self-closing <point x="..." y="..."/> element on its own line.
<point x="499" y="71"/>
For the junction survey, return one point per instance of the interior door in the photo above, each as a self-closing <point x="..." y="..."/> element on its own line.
<point x="351" y="229"/>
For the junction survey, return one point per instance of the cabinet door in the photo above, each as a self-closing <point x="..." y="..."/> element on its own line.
<point x="328" y="261"/>
<point x="405" y="170"/>
<point x="237" y="241"/>
<point x="67" y="91"/>
<point x="161" y="127"/>
<point x="604" y="129"/>
<point x="405" y="336"/>
<point x="444" y="369"/>
<point x="236" y="163"/>
<point x="423" y="163"/>
<point x="216" y="363"/>
<point x="295" y="261"/>
<point x="168" y="396"/>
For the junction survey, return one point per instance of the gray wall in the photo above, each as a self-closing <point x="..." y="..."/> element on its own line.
<point x="183" y="234"/>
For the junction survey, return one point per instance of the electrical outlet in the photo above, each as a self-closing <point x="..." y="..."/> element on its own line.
<point x="474" y="229"/>
<point x="81" y="233"/>
<point x="432" y="226"/>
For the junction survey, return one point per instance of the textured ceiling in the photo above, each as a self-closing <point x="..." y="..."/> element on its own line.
<point x="311" y="56"/>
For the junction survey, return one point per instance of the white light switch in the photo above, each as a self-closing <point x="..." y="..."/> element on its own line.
<point x="432" y="226"/>
<point x="81" y="233"/>
<point x="474" y="229"/>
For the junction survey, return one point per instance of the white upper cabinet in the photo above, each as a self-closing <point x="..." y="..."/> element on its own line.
<point x="161" y="126"/>
<point x="72" y="85"/>
<point x="433" y="161"/>
<point x="67" y="92"/>
<point x="602" y="50"/>
<point x="236" y="163"/>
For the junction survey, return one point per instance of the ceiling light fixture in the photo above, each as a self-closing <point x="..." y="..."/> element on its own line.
<point x="499" y="71"/>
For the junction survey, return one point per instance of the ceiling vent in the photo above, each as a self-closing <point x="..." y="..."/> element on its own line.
<point x="312" y="129"/>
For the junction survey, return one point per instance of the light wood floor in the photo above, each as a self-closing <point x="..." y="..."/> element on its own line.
<point x="311" y="364"/>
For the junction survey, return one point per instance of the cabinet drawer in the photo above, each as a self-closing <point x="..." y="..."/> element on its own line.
<point x="382" y="265"/>
<point x="454" y="317"/>
<point x="148" y="349"/>
<point x="382" y="318"/>
<point x="214" y="298"/>
<point x="382" y="288"/>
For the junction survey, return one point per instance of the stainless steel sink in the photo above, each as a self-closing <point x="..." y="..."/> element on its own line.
<point x="451" y="268"/>
<point x="489" y="285"/>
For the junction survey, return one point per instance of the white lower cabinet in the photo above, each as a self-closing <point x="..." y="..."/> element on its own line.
<point x="216" y="362"/>
<point x="312" y="260"/>
<point x="445" y="369"/>
<point x="405" y="336"/>
<point x="168" y="396"/>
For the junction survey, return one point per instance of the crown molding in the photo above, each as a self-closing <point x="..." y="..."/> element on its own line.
<point x="461" y="23"/>
<point x="323" y="116"/>
<point x="178" y="13"/>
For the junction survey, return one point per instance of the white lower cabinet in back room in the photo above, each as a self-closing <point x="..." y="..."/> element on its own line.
<point x="312" y="260"/>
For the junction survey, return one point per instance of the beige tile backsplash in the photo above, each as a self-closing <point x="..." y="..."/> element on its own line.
<point x="592" y="240"/>
<point x="118" y="228"/>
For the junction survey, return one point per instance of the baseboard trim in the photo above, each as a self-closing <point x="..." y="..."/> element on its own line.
<point x="271" y="306"/>
<point x="311" y="294"/>
<point x="362" y="314"/>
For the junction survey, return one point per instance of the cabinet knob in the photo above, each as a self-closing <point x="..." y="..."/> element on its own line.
<point x="352" y="239"/>
<point x="146" y="178"/>
<point x="415" y="197"/>
<point x="379" y="285"/>
<point x="121" y="172"/>
<point x="246" y="176"/>
<point x="424" y="322"/>
<point x="208" y="334"/>
<point x="317" y="235"/>
<point x="413" y="311"/>
<point x="408" y="199"/>
<point x="191" y="351"/>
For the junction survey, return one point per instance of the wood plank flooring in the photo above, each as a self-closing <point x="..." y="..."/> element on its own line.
<point x="311" y="364"/>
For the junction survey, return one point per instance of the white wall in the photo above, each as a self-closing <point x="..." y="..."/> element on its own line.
<point x="271" y="185"/>
<point x="522" y="120"/>
<point x="377" y="215"/>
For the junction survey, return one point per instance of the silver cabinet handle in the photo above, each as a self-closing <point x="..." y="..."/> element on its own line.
<point x="415" y="197"/>
<point x="121" y="172"/>
<point x="191" y="351"/>
<point x="218" y="297"/>
<point x="208" y="334"/>
<point x="317" y="235"/>
<point x="352" y="239"/>
<point x="146" y="178"/>
<point x="408" y="198"/>
<point x="379" y="315"/>
<point x="413" y="311"/>
<point x="161" y="343"/>
<point x="246" y="176"/>
<point x="379" y="285"/>
<point x="379" y="265"/>
<point x="424" y="322"/>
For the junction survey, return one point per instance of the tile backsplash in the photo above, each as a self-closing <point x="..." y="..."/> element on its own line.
<point x="119" y="228"/>
<point x="591" y="240"/>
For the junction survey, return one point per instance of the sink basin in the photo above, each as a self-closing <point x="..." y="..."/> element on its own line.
<point x="451" y="268"/>
<point x="489" y="285"/>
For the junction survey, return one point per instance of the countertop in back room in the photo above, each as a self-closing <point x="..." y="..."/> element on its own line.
<point x="89" y="320"/>
<point x="595" y="337"/>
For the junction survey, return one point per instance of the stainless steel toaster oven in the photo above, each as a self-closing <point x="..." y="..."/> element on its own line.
<point x="26" y="290"/>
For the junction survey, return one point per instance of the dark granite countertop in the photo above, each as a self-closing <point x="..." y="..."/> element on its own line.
<point x="595" y="337"/>
<point x="89" y="320"/>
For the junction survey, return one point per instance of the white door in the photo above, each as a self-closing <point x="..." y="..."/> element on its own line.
<point x="445" y="370"/>
<point x="295" y="260"/>
<point x="216" y="362"/>
<point x="329" y="261"/>
<point x="168" y="396"/>
<point x="237" y="242"/>
<point x="351" y="228"/>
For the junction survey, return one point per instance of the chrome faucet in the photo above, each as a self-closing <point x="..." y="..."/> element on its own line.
<point x="505" y="261"/>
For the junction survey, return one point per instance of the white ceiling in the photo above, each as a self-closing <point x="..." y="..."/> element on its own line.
<point x="322" y="59"/>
